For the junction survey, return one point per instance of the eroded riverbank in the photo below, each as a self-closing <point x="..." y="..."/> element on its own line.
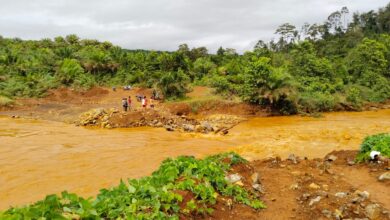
<point x="42" y="157"/>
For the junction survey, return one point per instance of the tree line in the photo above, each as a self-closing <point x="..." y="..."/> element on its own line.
<point x="339" y="64"/>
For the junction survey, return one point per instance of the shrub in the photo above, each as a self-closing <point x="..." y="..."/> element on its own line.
<point x="316" y="102"/>
<point x="270" y="86"/>
<point x="33" y="85"/>
<point x="354" y="97"/>
<point x="174" y="85"/>
<point x="221" y="85"/>
<point x="84" y="81"/>
<point x="69" y="70"/>
<point x="378" y="142"/>
<point x="381" y="90"/>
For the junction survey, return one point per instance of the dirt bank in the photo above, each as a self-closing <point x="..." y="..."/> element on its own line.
<point x="202" y="112"/>
<point x="329" y="188"/>
<point x="64" y="103"/>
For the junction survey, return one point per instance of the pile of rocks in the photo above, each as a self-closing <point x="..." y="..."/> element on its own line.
<point x="219" y="124"/>
<point x="97" y="117"/>
<point x="113" y="118"/>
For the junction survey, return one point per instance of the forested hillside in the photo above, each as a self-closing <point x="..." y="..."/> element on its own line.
<point x="317" y="67"/>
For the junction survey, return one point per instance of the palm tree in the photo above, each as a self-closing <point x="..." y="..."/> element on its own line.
<point x="279" y="85"/>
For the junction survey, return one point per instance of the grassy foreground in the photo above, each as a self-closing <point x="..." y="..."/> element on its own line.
<point x="159" y="196"/>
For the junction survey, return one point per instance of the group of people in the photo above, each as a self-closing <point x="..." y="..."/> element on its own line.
<point x="126" y="102"/>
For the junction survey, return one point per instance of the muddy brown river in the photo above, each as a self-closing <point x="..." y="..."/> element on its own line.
<point x="43" y="157"/>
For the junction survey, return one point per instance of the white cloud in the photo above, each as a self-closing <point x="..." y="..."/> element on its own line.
<point x="164" y="24"/>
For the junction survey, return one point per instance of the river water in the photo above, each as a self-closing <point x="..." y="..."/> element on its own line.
<point x="43" y="157"/>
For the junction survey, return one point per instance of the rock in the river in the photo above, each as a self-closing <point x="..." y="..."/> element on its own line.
<point x="224" y="131"/>
<point x="384" y="176"/>
<point x="188" y="127"/>
<point x="169" y="128"/>
<point x="91" y="116"/>
<point x="207" y="127"/>
<point x="199" y="128"/>
<point x="293" y="158"/>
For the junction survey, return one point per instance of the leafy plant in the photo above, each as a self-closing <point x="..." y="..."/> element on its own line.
<point x="174" y="84"/>
<point x="354" y="96"/>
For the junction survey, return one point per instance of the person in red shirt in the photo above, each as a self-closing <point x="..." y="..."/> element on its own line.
<point x="144" y="102"/>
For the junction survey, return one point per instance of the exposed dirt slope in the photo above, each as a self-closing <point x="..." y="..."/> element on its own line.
<point x="317" y="189"/>
<point x="65" y="104"/>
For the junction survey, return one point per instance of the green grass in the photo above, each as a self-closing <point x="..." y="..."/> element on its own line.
<point x="378" y="142"/>
<point x="152" y="197"/>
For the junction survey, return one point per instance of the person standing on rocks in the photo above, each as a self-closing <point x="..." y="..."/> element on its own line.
<point x="125" y="104"/>
<point x="144" y="102"/>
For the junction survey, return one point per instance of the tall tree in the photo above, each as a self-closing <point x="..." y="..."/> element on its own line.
<point x="288" y="35"/>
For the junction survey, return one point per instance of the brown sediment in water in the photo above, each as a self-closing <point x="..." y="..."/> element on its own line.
<point x="42" y="157"/>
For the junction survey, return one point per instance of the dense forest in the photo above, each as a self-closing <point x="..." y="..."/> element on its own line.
<point x="318" y="67"/>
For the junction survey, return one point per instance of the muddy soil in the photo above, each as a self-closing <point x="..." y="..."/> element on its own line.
<point x="70" y="106"/>
<point x="65" y="104"/>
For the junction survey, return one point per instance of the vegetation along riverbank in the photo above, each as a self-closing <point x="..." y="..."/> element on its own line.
<point x="320" y="67"/>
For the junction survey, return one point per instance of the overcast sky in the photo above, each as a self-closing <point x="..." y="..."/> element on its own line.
<point x="164" y="24"/>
